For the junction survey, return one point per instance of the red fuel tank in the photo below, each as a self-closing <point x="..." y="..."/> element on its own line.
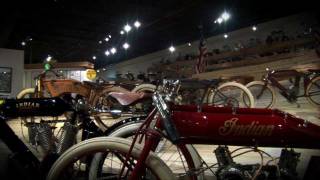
<point x="244" y="127"/>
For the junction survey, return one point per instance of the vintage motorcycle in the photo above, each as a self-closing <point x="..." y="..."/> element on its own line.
<point x="13" y="150"/>
<point x="184" y="125"/>
<point x="96" y="95"/>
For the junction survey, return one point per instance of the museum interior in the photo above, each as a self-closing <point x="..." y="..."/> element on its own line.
<point x="159" y="90"/>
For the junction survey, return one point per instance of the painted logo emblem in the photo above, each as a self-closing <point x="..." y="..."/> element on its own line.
<point x="91" y="74"/>
<point x="233" y="128"/>
<point x="27" y="105"/>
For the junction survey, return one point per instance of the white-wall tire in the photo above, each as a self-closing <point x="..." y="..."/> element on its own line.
<point x="25" y="92"/>
<point x="243" y="88"/>
<point x="100" y="144"/>
<point x="269" y="88"/>
<point x="311" y="101"/>
<point x="144" y="88"/>
<point x="127" y="130"/>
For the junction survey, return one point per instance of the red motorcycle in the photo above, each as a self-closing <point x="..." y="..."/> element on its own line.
<point x="194" y="124"/>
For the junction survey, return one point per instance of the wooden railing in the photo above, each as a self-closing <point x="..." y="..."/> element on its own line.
<point x="247" y="56"/>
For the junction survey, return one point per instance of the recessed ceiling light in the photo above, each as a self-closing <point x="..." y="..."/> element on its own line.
<point x="126" y="45"/>
<point x="172" y="49"/>
<point x="137" y="24"/>
<point x="127" y="28"/>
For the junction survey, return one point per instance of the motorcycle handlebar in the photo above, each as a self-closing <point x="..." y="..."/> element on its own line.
<point x="168" y="125"/>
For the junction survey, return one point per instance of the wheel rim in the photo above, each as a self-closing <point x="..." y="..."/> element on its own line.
<point x="263" y="96"/>
<point x="173" y="156"/>
<point x="182" y="159"/>
<point x="230" y="96"/>
<point x="110" y="167"/>
<point x="313" y="92"/>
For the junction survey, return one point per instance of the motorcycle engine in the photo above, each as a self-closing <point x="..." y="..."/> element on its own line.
<point x="229" y="170"/>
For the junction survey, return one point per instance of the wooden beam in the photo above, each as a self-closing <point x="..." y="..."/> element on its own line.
<point x="80" y="65"/>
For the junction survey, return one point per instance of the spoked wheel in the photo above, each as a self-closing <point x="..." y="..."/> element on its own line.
<point x="75" y="162"/>
<point x="313" y="92"/>
<point x="264" y="95"/>
<point x="231" y="94"/>
<point x="183" y="160"/>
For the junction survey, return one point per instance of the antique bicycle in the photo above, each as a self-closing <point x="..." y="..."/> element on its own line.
<point x="264" y="91"/>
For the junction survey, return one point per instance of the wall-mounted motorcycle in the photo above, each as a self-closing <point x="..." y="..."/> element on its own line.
<point x="195" y="124"/>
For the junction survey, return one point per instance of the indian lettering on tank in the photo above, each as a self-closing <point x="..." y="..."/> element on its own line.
<point x="234" y="128"/>
<point x="27" y="105"/>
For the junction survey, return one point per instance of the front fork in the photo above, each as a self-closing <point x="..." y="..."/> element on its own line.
<point x="152" y="139"/>
<point x="151" y="142"/>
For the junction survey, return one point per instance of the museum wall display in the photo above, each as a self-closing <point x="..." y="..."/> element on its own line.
<point x="12" y="72"/>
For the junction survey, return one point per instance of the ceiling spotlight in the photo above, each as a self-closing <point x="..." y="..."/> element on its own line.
<point x="225" y="36"/>
<point x="109" y="36"/>
<point x="127" y="28"/>
<point x="98" y="71"/>
<point x="189" y="44"/>
<point x="107" y="39"/>
<point x="137" y="24"/>
<point x="49" y="58"/>
<point x="125" y="45"/>
<point x="23" y="43"/>
<point x="100" y="42"/>
<point x="254" y="28"/>
<point x="113" y="50"/>
<point x="172" y="49"/>
<point x="219" y="20"/>
<point x="103" y="69"/>
<point x="30" y="39"/>
<point x="225" y="16"/>
<point x="94" y="57"/>
<point x="121" y="32"/>
<point x="107" y="53"/>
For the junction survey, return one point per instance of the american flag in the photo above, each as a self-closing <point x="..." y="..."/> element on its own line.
<point x="201" y="62"/>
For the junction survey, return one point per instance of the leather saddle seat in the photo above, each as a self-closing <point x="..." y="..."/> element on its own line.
<point x="129" y="98"/>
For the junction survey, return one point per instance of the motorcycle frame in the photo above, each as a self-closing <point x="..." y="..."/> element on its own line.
<point x="59" y="87"/>
<point x="194" y="126"/>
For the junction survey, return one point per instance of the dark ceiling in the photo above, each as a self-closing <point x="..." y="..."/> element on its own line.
<point x="70" y="30"/>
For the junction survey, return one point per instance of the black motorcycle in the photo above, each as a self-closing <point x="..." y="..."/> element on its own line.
<point x="16" y="159"/>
